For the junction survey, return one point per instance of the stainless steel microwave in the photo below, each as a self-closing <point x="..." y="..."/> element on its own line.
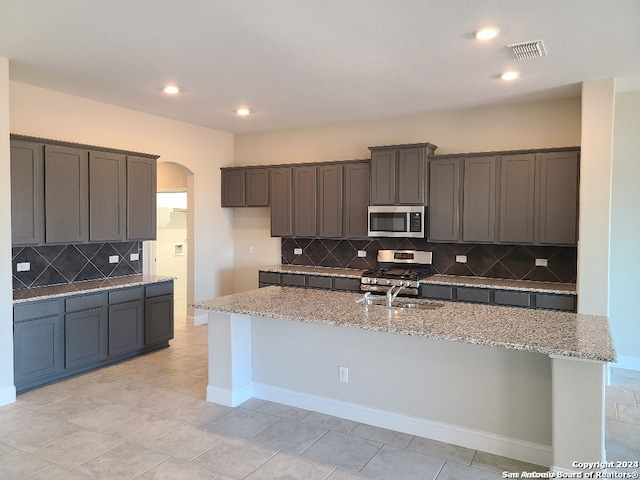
<point x="397" y="221"/>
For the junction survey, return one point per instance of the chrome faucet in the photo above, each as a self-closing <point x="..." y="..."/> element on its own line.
<point x="391" y="295"/>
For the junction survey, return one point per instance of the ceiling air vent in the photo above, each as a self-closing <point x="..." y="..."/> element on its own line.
<point x="521" y="51"/>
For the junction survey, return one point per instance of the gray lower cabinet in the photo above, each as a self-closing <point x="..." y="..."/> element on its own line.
<point x="38" y="341"/>
<point x="325" y="282"/>
<point x="54" y="339"/>
<point x="107" y="196"/>
<point x="27" y="193"/>
<point x="141" y="198"/>
<point x="158" y="313"/>
<point x="66" y="178"/>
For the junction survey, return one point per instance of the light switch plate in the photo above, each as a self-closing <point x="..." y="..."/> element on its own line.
<point x="362" y="253"/>
<point x="542" y="262"/>
<point x="297" y="251"/>
<point x="134" y="257"/>
<point x="461" y="258"/>
<point x="23" y="267"/>
<point x="114" y="258"/>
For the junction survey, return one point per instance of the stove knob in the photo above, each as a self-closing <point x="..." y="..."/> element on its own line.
<point x="388" y="281"/>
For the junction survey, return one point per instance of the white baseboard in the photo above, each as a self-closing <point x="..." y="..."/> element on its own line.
<point x="197" y="319"/>
<point x="229" y="398"/>
<point x="7" y="395"/>
<point x="475" y="439"/>
<point x="628" y="363"/>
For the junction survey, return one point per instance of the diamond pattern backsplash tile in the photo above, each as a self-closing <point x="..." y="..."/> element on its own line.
<point x="59" y="264"/>
<point x="493" y="261"/>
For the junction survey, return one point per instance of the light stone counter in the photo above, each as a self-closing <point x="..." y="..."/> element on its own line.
<point x="504" y="284"/>
<point x="89" y="286"/>
<point x="548" y="332"/>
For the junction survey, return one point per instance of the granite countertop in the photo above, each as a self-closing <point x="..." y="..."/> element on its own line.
<point x="548" y="332"/>
<point x="322" y="271"/>
<point x="504" y="284"/>
<point x="56" y="291"/>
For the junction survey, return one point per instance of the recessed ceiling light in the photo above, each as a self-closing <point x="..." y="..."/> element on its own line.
<point x="243" y="111"/>
<point x="171" y="90"/>
<point x="510" y="75"/>
<point x="487" y="33"/>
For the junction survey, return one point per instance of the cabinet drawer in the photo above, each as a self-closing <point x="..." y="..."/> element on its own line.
<point x="157" y="289"/>
<point x="556" y="302"/>
<point x="126" y="295"/>
<point x="441" y="292"/>
<point x="478" y="295"/>
<point x="346" y="284"/>
<point x="84" y="302"/>
<point x="293" y="280"/>
<point x="269" y="278"/>
<point x="516" y="299"/>
<point x="317" y="281"/>
<point x="35" y="310"/>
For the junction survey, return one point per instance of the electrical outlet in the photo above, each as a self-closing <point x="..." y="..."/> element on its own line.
<point x="23" y="267"/>
<point x="251" y="250"/>
<point x="362" y="253"/>
<point x="542" y="262"/>
<point x="343" y="374"/>
<point x="297" y="251"/>
<point x="461" y="258"/>
<point x="134" y="257"/>
<point x="114" y="258"/>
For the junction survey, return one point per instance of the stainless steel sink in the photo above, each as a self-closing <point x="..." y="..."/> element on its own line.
<point x="404" y="305"/>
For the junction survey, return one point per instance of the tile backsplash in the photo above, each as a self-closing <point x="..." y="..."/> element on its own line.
<point x="59" y="264"/>
<point x="483" y="260"/>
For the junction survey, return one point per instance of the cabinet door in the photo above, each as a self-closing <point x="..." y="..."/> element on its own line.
<point x="479" y="211"/>
<point x="257" y="187"/>
<point x="557" y="197"/>
<point x="141" y="198"/>
<point x="38" y="348"/>
<point x="445" y="183"/>
<point x="356" y="200"/>
<point x="412" y="176"/>
<point x="107" y="197"/>
<point x="383" y="177"/>
<point x="126" y="327"/>
<point x="85" y="337"/>
<point x="280" y="201"/>
<point x="66" y="180"/>
<point x="158" y="319"/>
<point x="517" y="181"/>
<point x="304" y="201"/>
<point x="330" y="200"/>
<point x="233" y="187"/>
<point x="27" y="193"/>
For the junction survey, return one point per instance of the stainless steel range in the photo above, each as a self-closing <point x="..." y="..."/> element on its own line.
<point x="401" y="270"/>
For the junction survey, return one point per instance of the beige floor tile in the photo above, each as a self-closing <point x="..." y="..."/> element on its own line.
<point x="619" y="395"/>
<point x="16" y="465"/>
<point x="241" y="423"/>
<point x="392" y="463"/>
<point x="43" y="396"/>
<point x="77" y="449"/>
<point x="40" y="435"/>
<point x="289" y="466"/>
<point x="176" y="469"/>
<point x="628" y="414"/>
<point x="341" y="474"/>
<point x="175" y="380"/>
<point x="145" y="429"/>
<point x="198" y="389"/>
<point x="337" y="448"/>
<point x="382" y="435"/>
<point x="442" y="450"/>
<point x="253" y="404"/>
<point x="610" y="410"/>
<point x="289" y="436"/>
<point x="4" y="449"/>
<point x="73" y="406"/>
<point x="457" y="471"/>
<point x="284" y="411"/>
<point x="15" y="419"/>
<point x="122" y="463"/>
<point x="329" y="421"/>
<point x="106" y="417"/>
<point x="198" y="412"/>
<point x="235" y="458"/>
<point x="56" y="472"/>
<point x="496" y="463"/>
<point x="163" y="400"/>
<point x="186" y="442"/>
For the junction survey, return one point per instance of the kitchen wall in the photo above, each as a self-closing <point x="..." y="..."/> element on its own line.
<point x="498" y="127"/>
<point x="625" y="230"/>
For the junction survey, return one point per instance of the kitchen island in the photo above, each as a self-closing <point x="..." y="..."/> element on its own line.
<point x="527" y="384"/>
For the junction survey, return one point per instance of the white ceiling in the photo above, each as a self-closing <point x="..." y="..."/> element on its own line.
<point x="308" y="62"/>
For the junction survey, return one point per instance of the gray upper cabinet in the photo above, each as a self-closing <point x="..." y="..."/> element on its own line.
<point x="557" y="197"/>
<point x="233" y="187"/>
<point x="304" y="201"/>
<point x="27" y="193"/>
<point x="356" y="199"/>
<point x="479" y="210"/>
<point x="280" y="200"/>
<point x="517" y="182"/>
<point x="107" y="196"/>
<point x="141" y="198"/>
<point x="66" y="171"/>
<point x="330" y="201"/>
<point x="399" y="174"/>
<point x="445" y="200"/>
<point x="257" y="187"/>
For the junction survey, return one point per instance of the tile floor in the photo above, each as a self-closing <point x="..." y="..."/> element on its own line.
<point x="147" y="419"/>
